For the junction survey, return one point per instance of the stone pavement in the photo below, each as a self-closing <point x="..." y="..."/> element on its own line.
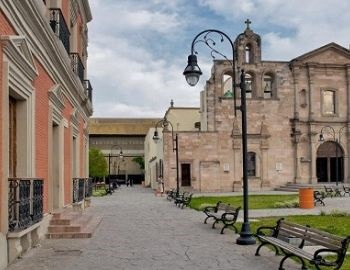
<point x="140" y="231"/>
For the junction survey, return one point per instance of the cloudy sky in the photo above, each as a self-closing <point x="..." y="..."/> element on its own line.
<point x="138" y="48"/>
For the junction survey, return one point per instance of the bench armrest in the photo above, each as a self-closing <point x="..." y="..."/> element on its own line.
<point x="210" y="209"/>
<point x="266" y="230"/>
<point x="326" y="259"/>
<point x="233" y="214"/>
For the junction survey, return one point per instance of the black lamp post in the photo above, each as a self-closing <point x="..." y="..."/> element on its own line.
<point x="109" y="160"/>
<point x="164" y="123"/>
<point x="192" y="73"/>
<point x="336" y="140"/>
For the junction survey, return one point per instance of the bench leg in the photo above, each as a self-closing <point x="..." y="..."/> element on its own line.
<point x="205" y="220"/>
<point x="213" y="226"/>
<point x="223" y="228"/>
<point x="303" y="267"/>
<point x="263" y="244"/>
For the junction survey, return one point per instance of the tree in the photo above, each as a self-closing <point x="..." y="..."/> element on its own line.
<point x="140" y="161"/>
<point x="97" y="164"/>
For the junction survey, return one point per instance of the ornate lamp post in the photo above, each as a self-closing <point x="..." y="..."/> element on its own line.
<point x="164" y="123"/>
<point x="192" y="73"/>
<point x="109" y="160"/>
<point x="336" y="142"/>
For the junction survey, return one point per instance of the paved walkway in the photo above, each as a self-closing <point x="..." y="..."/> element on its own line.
<point x="140" y="231"/>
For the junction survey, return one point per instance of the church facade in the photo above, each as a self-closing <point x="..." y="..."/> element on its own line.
<point x="297" y="116"/>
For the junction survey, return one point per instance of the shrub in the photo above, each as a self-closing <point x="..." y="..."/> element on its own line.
<point x="287" y="204"/>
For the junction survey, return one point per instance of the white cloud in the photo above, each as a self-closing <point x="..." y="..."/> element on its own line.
<point x="137" y="49"/>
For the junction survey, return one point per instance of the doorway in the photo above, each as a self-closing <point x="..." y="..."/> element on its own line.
<point x="185" y="174"/>
<point x="330" y="163"/>
<point x="55" y="167"/>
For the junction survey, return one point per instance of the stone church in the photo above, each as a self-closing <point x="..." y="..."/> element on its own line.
<point x="298" y="120"/>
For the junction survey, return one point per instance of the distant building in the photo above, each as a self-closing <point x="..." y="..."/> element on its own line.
<point x="112" y="135"/>
<point x="184" y="120"/>
<point x="45" y="104"/>
<point x="289" y="105"/>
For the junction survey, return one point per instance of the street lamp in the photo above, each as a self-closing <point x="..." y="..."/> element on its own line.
<point x="336" y="140"/>
<point x="164" y="123"/>
<point x="192" y="73"/>
<point x="109" y="160"/>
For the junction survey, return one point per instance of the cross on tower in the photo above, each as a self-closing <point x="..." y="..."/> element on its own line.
<point x="247" y="22"/>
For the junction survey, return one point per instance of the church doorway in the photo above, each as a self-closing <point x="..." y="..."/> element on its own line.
<point x="330" y="163"/>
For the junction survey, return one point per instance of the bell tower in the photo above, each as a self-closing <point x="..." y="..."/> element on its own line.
<point x="247" y="46"/>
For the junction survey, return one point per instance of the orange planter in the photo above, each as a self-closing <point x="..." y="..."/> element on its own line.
<point x="306" y="198"/>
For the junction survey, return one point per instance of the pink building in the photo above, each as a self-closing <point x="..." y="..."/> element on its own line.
<point x="45" y="104"/>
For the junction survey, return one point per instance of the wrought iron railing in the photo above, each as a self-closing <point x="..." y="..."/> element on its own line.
<point x="77" y="66"/>
<point x="82" y="188"/>
<point x="88" y="89"/>
<point x="59" y="26"/>
<point x="25" y="202"/>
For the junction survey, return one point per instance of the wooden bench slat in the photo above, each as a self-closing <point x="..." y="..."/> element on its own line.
<point x="328" y="242"/>
<point x="288" y="247"/>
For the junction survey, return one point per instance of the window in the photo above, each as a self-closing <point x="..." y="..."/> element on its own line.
<point x="248" y="85"/>
<point x="248" y="53"/>
<point x="227" y="86"/>
<point x="251" y="165"/>
<point x="328" y="102"/>
<point x="267" y="85"/>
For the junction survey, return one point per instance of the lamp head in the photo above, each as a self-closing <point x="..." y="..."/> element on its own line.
<point x="321" y="139"/>
<point x="192" y="72"/>
<point x="155" y="136"/>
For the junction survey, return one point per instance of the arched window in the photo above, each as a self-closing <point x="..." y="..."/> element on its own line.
<point x="248" y="53"/>
<point x="227" y="86"/>
<point x="251" y="165"/>
<point x="267" y="85"/>
<point x="248" y="85"/>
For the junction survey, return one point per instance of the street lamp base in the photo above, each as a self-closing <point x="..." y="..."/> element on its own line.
<point x="246" y="237"/>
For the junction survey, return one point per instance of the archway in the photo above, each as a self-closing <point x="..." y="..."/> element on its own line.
<point x="328" y="155"/>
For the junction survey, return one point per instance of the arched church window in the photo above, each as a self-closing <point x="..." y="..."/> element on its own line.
<point x="251" y="158"/>
<point x="248" y="53"/>
<point x="227" y="86"/>
<point x="267" y="85"/>
<point x="248" y="85"/>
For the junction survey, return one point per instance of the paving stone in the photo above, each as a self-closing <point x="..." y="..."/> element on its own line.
<point x="140" y="231"/>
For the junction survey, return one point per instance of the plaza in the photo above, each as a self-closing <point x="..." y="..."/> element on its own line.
<point x="142" y="231"/>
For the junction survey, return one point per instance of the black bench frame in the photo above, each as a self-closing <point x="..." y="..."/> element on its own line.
<point x="331" y="244"/>
<point x="222" y="212"/>
<point x="346" y="190"/>
<point x="184" y="199"/>
<point x="332" y="192"/>
<point x="319" y="197"/>
<point x="171" y="194"/>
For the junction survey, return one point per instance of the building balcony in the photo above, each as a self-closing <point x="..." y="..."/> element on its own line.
<point x="77" y="66"/>
<point x="59" y="27"/>
<point x="25" y="202"/>
<point x="88" y="89"/>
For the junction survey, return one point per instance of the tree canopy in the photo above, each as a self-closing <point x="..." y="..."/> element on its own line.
<point x="97" y="163"/>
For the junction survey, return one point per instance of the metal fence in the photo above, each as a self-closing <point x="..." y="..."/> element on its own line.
<point x="25" y="202"/>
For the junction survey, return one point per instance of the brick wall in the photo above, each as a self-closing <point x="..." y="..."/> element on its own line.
<point x="42" y="84"/>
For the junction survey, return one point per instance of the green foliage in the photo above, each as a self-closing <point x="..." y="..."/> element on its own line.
<point x="255" y="201"/>
<point x="287" y="204"/>
<point x="99" y="193"/>
<point x="337" y="213"/>
<point x="140" y="161"/>
<point x="97" y="163"/>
